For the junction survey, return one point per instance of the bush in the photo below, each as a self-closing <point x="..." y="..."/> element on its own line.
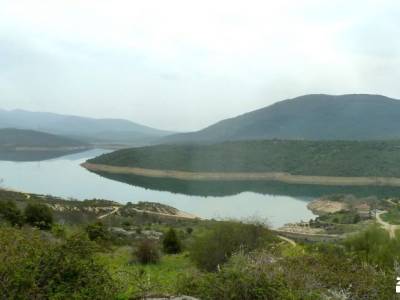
<point x="147" y="252"/>
<point x="171" y="243"/>
<point x="374" y="246"/>
<point x="223" y="239"/>
<point x="262" y="275"/>
<point x="36" y="268"/>
<point x="98" y="232"/>
<point x="39" y="215"/>
<point x="10" y="212"/>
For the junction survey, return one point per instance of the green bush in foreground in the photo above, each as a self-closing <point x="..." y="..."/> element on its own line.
<point x="33" y="267"/>
<point x="214" y="247"/>
<point x="39" y="215"/>
<point x="262" y="275"/>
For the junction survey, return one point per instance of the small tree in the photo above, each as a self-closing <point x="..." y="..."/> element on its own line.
<point x="147" y="252"/>
<point x="39" y="215"/>
<point x="171" y="243"/>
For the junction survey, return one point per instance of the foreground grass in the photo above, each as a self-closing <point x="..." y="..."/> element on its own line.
<point x="137" y="280"/>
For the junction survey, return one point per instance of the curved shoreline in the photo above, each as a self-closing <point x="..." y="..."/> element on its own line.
<point x="247" y="176"/>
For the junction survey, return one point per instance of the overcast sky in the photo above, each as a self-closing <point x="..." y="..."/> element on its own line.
<point x="182" y="65"/>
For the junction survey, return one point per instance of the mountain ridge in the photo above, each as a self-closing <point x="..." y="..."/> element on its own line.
<point x="308" y="117"/>
<point x="105" y="130"/>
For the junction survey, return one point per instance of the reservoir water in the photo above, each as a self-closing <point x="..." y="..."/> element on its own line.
<point x="64" y="177"/>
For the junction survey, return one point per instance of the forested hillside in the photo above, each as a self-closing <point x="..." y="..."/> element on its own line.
<point x="324" y="158"/>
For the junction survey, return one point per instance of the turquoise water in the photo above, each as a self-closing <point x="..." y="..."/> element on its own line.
<point x="64" y="177"/>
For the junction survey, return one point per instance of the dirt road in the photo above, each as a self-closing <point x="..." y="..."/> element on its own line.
<point x="389" y="227"/>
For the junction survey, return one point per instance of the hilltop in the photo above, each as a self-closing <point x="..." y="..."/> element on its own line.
<point x="309" y="117"/>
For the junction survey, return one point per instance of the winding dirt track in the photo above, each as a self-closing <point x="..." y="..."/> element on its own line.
<point x="262" y="176"/>
<point x="389" y="227"/>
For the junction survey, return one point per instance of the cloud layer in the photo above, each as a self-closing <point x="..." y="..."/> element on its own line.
<point x="182" y="65"/>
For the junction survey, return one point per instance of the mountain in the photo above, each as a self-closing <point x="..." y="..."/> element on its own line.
<point x="310" y="117"/>
<point x="87" y="129"/>
<point x="11" y="139"/>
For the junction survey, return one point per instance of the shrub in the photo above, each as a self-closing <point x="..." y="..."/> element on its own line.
<point x="10" y="212"/>
<point x="374" y="245"/>
<point x="36" y="268"/>
<point x="261" y="275"/>
<point x="223" y="239"/>
<point x="147" y="252"/>
<point x="39" y="215"/>
<point x="98" y="232"/>
<point x="171" y="242"/>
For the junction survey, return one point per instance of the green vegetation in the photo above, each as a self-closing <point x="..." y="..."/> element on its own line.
<point x="147" y="252"/>
<point x="38" y="215"/>
<point x="120" y="257"/>
<point x="341" y="217"/>
<point x="34" y="267"/>
<point x="98" y="232"/>
<point x="323" y="158"/>
<point x="215" y="246"/>
<point x="10" y="213"/>
<point x="392" y="216"/>
<point x="171" y="242"/>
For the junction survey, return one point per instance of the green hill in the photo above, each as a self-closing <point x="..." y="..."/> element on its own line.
<point x="310" y="117"/>
<point x="14" y="139"/>
<point x="322" y="158"/>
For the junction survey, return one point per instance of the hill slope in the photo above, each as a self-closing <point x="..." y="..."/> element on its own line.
<point x="310" y="117"/>
<point x="11" y="139"/>
<point x="88" y="129"/>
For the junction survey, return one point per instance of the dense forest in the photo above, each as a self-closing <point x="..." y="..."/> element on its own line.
<point x="324" y="158"/>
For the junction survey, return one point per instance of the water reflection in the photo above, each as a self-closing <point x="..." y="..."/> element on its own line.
<point x="26" y="156"/>
<point x="226" y="188"/>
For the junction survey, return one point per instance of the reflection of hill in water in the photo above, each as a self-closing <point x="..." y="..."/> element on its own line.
<point x="228" y="188"/>
<point x="26" y="156"/>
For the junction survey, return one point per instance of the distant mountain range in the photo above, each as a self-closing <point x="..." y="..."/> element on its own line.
<point x="14" y="139"/>
<point x="86" y="129"/>
<point x="310" y="117"/>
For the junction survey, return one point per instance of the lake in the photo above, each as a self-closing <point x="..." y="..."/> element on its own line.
<point x="64" y="177"/>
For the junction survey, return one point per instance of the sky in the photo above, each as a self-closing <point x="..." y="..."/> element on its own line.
<point x="183" y="64"/>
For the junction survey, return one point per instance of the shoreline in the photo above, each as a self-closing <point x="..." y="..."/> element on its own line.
<point x="246" y="176"/>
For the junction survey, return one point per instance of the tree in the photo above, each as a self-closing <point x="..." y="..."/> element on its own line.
<point x="171" y="243"/>
<point x="39" y="215"/>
